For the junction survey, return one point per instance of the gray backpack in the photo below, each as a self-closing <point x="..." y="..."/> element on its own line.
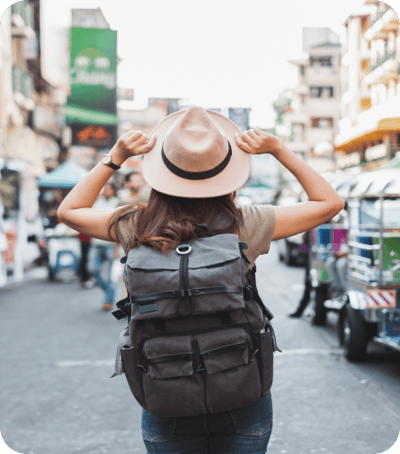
<point x="199" y="339"/>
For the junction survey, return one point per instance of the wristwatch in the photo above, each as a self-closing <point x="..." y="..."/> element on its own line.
<point x="106" y="160"/>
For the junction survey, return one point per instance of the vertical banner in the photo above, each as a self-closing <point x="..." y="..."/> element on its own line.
<point x="91" y="109"/>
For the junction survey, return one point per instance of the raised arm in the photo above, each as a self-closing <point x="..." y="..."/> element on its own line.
<point x="324" y="202"/>
<point x="76" y="209"/>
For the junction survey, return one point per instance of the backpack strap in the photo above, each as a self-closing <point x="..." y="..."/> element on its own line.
<point x="251" y="292"/>
<point x="124" y="309"/>
<point x="206" y="230"/>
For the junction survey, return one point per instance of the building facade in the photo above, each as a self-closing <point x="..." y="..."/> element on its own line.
<point x="312" y="118"/>
<point x="30" y="131"/>
<point x="369" y="131"/>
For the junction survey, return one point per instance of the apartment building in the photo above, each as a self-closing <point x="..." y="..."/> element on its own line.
<point x="369" y="131"/>
<point x="314" y="112"/>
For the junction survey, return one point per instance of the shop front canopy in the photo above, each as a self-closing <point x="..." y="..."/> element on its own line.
<point x="67" y="175"/>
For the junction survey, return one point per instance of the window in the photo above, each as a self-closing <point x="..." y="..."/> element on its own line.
<point x="321" y="92"/>
<point x="321" y="122"/>
<point x="320" y="61"/>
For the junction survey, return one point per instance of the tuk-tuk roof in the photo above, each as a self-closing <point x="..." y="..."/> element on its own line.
<point x="393" y="187"/>
<point x="375" y="183"/>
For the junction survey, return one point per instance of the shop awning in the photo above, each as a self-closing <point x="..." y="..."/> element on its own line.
<point x="67" y="175"/>
<point x="360" y="134"/>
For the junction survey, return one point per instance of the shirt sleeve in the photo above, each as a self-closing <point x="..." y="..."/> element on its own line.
<point x="258" y="230"/>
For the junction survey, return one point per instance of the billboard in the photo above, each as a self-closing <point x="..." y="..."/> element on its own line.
<point x="93" y="72"/>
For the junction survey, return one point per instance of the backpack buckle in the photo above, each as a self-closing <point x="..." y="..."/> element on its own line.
<point x="118" y="314"/>
<point x="248" y="292"/>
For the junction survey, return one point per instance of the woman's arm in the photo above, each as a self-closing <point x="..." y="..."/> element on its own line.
<point x="76" y="209"/>
<point x="324" y="201"/>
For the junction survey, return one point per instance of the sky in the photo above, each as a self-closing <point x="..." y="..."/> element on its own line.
<point x="214" y="53"/>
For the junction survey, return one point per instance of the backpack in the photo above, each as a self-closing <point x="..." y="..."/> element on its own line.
<point x="199" y="339"/>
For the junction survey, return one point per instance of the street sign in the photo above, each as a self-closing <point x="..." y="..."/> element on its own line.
<point x="93" y="135"/>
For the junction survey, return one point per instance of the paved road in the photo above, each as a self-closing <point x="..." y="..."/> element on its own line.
<point x="58" y="352"/>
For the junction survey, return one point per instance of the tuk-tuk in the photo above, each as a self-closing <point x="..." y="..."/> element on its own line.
<point x="328" y="242"/>
<point x="367" y="305"/>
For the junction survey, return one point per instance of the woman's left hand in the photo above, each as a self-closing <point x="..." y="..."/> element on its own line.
<point x="132" y="143"/>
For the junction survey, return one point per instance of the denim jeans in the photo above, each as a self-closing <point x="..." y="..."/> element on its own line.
<point x="246" y="430"/>
<point x="102" y="258"/>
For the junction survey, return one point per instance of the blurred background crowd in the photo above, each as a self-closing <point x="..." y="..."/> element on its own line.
<point x="61" y="109"/>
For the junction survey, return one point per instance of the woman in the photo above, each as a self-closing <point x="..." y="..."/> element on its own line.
<point x="194" y="162"/>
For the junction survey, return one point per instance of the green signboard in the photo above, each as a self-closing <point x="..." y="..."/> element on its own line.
<point x="93" y="97"/>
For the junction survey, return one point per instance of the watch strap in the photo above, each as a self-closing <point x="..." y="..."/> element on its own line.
<point x="113" y="166"/>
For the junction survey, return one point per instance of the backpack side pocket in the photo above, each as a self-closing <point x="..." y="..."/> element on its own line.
<point x="267" y="359"/>
<point x="130" y="360"/>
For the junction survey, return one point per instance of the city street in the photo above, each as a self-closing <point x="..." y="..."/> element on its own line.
<point x="56" y="396"/>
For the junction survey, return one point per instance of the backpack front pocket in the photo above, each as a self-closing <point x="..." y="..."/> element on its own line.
<point x="232" y="375"/>
<point x="171" y="387"/>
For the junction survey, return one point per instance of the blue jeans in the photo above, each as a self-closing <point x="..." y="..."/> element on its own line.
<point x="246" y="430"/>
<point x="102" y="257"/>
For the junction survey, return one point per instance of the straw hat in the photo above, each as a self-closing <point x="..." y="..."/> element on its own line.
<point x="196" y="155"/>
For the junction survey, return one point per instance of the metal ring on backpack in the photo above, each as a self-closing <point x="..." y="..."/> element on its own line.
<point x="187" y="251"/>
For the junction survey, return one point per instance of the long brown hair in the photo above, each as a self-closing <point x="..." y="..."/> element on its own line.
<point x="167" y="221"/>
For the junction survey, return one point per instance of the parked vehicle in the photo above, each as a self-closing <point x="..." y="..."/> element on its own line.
<point x="64" y="253"/>
<point x="369" y="306"/>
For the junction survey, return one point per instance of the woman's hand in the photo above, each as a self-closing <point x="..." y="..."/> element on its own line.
<point x="255" y="141"/>
<point x="132" y="143"/>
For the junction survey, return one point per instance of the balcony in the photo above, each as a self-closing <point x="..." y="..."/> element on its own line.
<point x="383" y="68"/>
<point x="22" y="19"/>
<point x="22" y="88"/>
<point x="381" y="59"/>
<point x="376" y="152"/>
<point x="386" y="21"/>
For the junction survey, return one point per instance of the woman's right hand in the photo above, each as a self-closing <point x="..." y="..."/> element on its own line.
<point x="132" y="143"/>
<point x="255" y="141"/>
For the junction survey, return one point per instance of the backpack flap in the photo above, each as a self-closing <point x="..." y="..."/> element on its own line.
<point x="224" y="349"/>
<point x="168" y="358"/>
<point x="205" y="278"/>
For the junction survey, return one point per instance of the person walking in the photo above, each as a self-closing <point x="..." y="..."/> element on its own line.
<point x="102" y="253"/>
<point x="194" y="161"/>
<point x="305" y="299"/>
<point x="135" y="191"/>
<point x="84" y="275"/>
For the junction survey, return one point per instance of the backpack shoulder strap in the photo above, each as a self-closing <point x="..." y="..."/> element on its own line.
<point x="253" y="292"/>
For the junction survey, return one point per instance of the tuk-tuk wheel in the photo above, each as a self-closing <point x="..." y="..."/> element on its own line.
<point x="321" y="295"/>
<point x="353" y="333"/>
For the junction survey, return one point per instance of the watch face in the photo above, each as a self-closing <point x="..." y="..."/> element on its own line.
<point x="106" y="159"/>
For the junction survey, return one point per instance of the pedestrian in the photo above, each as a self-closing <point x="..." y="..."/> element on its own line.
<point x="103" y="253"/>
<point x="194" y="162"/>
<point x="305" y="299"/>
<point x="84" y="275"/>
<point x="136" y="190"/>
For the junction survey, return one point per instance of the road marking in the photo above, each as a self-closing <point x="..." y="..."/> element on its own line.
<point x="292" y="352"/>
<point x="107" y="362"/>
<point x="310" y="351"/>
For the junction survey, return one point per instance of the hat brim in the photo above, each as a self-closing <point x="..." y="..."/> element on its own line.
<point x="160" y="178"/>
